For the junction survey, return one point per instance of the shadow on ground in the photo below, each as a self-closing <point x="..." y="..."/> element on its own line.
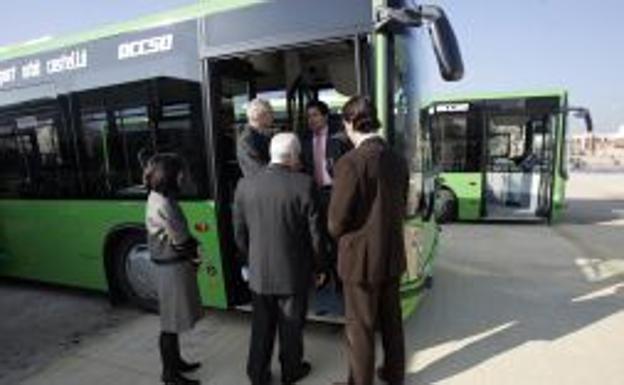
<point x="588" y="211"/>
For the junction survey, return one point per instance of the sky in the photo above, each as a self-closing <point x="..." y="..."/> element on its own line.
<point x="507" y="45"/>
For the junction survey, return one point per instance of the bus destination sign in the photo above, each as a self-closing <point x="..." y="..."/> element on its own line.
<point x="78" y="58"/>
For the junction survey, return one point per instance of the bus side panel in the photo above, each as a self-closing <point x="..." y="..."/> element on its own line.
<point x="558" y="198"/>
<point x="61" y="242"/>
<point x="211" y="276"/>
<point x="421" y="249"/>
<point x="467" y="187"/>
<point x="560" y="167"/>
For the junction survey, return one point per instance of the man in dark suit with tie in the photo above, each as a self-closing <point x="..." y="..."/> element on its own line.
<point x="322" y="144"/>
<point x="321" y="147"/>
<point x="366" y="214"/>
<point x="276" y="223"/>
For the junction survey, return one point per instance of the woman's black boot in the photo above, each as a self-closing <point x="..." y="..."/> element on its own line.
<point x="169" y="353"/>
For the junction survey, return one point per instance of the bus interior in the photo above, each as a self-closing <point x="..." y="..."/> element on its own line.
<point x="288" y="79"/>
<point x="519" y="163"/>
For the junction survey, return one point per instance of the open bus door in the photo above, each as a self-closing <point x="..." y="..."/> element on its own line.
<point x="560" y="169"/>
<point x="519" y="159"/>
<point x="283" y="77"/>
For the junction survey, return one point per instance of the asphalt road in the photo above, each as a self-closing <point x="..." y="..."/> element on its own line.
<point x="511" y="304"/>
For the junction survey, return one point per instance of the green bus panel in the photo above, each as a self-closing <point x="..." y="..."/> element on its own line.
<point x="412" y="289"/>
<point x="561" y="166"/>
<point x="467" y="187"/>
<point x="62" y="242"/>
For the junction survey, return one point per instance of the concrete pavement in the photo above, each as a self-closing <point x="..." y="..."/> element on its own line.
<point x="511" y="304"/>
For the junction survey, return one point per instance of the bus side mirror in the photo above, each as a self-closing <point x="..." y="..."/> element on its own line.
<point x="442" y="35"/>
<point x="586" y="115"/>
<point x="582" y="113"/>
<point x="444" y="42"/>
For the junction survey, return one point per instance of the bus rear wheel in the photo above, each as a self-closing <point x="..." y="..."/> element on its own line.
<point x="135" y="273"/>
<point x="445" y="206"/>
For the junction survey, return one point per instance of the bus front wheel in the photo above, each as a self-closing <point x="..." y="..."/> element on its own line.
<point x="445" y="206"/>
<point x="135" y="272"/>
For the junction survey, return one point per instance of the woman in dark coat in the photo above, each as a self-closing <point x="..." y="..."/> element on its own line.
<point x="174" y="251"/>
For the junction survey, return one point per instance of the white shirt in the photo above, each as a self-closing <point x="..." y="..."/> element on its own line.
<point x="319" y="151"/>
<point x="365" y="137"/>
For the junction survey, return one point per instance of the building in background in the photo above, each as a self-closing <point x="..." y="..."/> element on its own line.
<point x="601" y="150"/>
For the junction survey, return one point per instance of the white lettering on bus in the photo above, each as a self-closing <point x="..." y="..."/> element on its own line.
<point x="7" y="75"/>
<point x="145" y="47"/>
<point x="67" y="62"/>
<point x="456" y="107"/>
<point x="32" y="69"/>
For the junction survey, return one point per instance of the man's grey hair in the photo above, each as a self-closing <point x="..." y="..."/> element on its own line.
<point x="285" y="147"/>
<point x="257" y="108"/>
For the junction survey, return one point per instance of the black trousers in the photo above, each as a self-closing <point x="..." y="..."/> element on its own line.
<point x="332" y="249"/>
<point x="284" y="314"/>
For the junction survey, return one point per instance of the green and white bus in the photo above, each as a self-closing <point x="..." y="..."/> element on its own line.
<point x="79" y="115"/>
<point x="501" y="157"/>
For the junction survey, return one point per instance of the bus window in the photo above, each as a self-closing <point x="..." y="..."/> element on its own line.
<point x="11" y="163"/>
<point x="507" y="142"/>
<point x="95" y="135"/>
<point x="452" y="146"/>
<point x="132" y="139"/>
<point x="121" y="127"/>
<point x="42" y="165"/>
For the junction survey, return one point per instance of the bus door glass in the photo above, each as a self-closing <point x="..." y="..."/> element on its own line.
<point x="543" y="149"/>
<point x="517" y="160"/>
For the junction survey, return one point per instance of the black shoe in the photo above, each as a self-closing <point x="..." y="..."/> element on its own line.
<point x="303" y="371"/>
<point x="186" y="367"/>
<point x="179" y="379"/>
<point x="266" y="380"/>
<point x="381" y="374"/>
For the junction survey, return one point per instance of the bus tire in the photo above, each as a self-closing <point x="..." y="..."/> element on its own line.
<point x="445" y="206"/>
<point x="135" y="273"/>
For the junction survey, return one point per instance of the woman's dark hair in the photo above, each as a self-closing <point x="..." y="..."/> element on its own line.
<point x="319" y="105"/>
<point x="362" y="114"/>
<point x="161" y="173"/>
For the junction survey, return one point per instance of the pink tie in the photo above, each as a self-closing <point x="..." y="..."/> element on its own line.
<point x="318" y="159"/>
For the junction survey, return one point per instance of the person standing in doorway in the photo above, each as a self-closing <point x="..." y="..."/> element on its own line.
<point x="175" y="254"/>
<point x="322" y="146"/>
<point x="253" y="145"/>
<point x="366" y="212"/>
<point x="276" y="226"/>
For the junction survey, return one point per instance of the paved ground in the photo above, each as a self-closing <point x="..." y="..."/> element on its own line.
<point x="39" y="324"/>
<point x="512" y="304"/>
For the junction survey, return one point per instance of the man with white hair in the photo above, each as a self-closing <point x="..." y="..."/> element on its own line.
<point x="277" y="228"/>
<point x="253" y="145"/>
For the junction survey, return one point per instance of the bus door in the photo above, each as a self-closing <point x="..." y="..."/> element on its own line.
<point x="231" y="87"/>
<point x="518" y="166"/>
<point x="287" y="77"/>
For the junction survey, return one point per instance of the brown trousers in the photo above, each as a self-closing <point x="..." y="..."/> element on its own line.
<point x="368" y="309"/>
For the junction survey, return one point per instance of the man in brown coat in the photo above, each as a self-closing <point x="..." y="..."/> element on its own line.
<point x="366" y="214"/>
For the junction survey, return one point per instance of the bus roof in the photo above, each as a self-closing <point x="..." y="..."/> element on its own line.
<point x="171" y="44"/>
<point x="189" y="12"/>
<point x="560" y="93"/>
